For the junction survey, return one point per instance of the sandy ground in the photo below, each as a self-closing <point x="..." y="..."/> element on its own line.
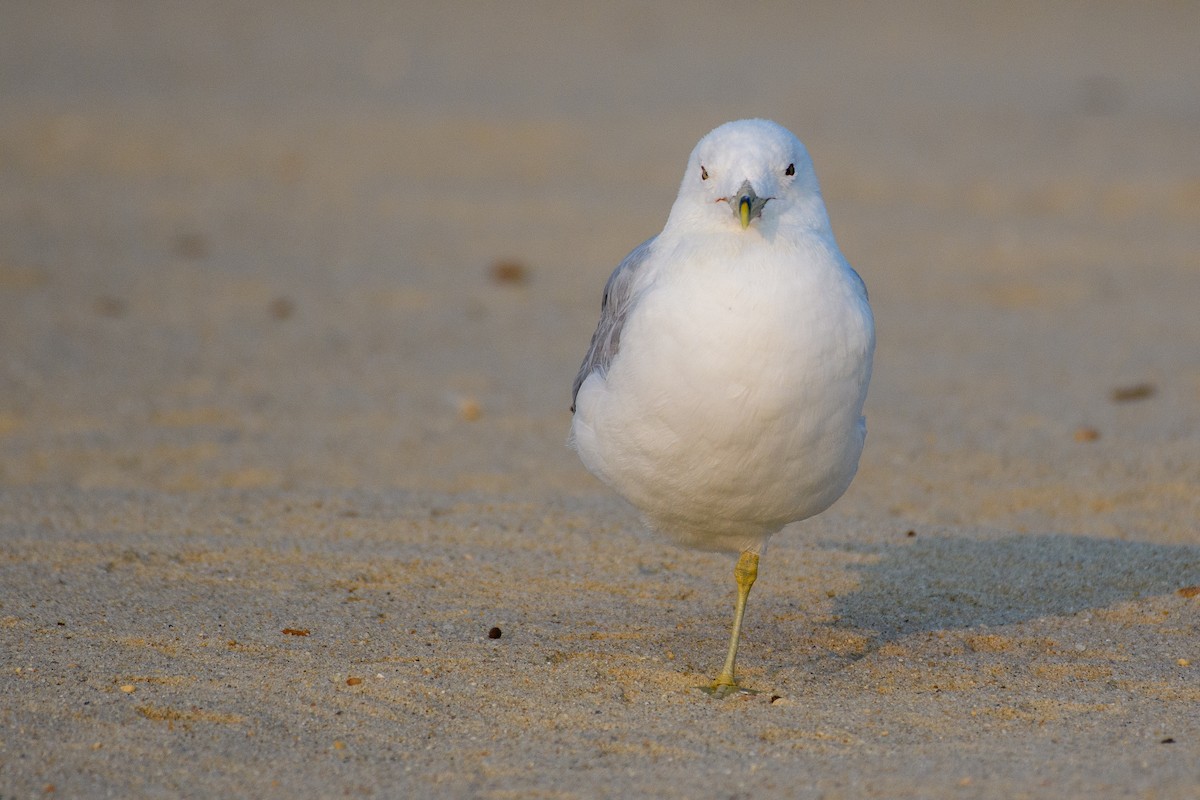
<point x="291" y="297"/>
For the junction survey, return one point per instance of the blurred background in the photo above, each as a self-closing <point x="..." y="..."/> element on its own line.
<point x="318" y="245"/>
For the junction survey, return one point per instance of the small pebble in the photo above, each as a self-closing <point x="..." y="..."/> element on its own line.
<point x="281" y="308"/>
<point x="469" y="409"/>
<point x="127" y="688"/>
<point x="1137" y="391"/>
<point x="494" y="633"/>
<point x="509" y="272"/>
<point x="1086" y="434"/>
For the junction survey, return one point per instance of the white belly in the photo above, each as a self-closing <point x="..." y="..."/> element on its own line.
<point x="734" y="405"/>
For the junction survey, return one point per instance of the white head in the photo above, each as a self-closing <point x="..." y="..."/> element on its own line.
<point x="749" y="176"/>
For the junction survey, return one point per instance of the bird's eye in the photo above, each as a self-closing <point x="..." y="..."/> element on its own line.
<point x="703" y="173"/>
<point x="791" y="170"/>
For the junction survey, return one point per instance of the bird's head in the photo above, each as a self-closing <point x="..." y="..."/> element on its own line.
<point x="745" y="175"/>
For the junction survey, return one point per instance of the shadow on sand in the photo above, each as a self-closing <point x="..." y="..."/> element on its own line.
<point x="942" y="582"/>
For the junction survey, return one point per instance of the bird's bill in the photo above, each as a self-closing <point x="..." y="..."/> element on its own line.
<point x="747" y="204"/>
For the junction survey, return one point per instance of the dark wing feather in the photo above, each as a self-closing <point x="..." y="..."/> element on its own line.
<point x="614" y="307"/>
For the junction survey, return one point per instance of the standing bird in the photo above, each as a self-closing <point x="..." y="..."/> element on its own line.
<point x="722" y="393"/>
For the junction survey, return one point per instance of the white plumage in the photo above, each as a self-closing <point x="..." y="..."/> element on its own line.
<point x="723" y="391"/>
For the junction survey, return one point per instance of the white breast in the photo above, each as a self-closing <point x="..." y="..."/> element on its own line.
<point x="734" y="405"/>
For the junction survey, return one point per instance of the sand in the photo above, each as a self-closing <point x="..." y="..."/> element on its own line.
<point x="291" y="297"/>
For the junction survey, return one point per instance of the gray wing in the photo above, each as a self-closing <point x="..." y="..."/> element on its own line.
<point x="614" y="307"/>
<point x="861" y="283"/>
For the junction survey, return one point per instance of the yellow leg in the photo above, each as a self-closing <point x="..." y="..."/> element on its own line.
<point x="745" y="573"/>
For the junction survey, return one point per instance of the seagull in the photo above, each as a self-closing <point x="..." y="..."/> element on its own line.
<point x="723" y="391"/>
